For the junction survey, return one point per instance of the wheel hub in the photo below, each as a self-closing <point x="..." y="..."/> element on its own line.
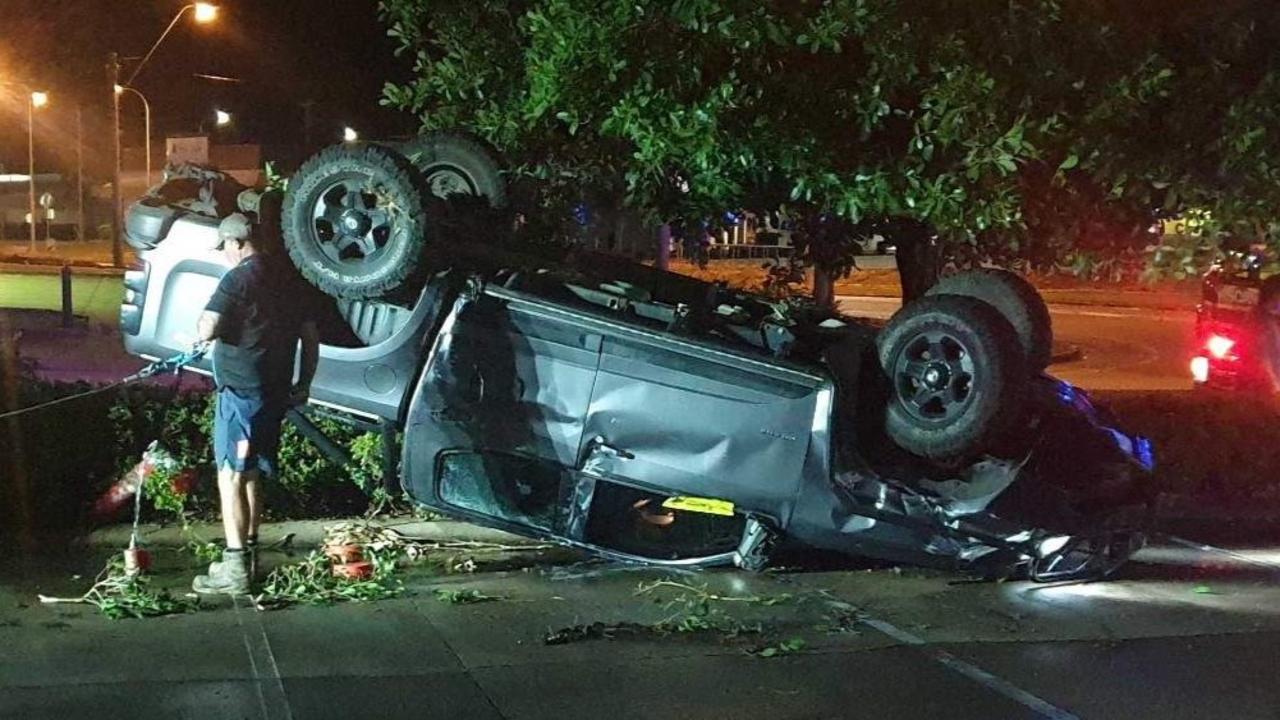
<point x="351" y="225"/>
<point x="444" y="183"/>
<point x="934" y="375"/>
<point x="355" y="222"/>
<point x="937" y="377"/>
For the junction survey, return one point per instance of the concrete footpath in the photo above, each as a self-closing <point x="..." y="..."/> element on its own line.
<point x="303" y="533"/>
<point x="1181" y="633"/>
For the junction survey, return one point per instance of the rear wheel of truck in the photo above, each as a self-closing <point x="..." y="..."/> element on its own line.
<point x="957" y="378"/>
<point x="1015" y="299"/>
<point x="353" y="222"/>
<point x="457" y="165"/>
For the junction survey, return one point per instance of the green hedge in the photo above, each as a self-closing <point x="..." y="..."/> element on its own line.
<point x="55" y="463"/>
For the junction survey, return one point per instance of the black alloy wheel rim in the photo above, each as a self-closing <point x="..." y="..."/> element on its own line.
<point x="934" y="375"/>
<point x="349" y="225"/>
<point x="446" y="180"/>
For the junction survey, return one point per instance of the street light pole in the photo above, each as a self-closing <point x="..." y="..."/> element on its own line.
<point x="79" y="173"/>
<point x="146" y="112"/>
<point x="113" y="77"/>
<point x="31" y="166"/>
<point x="204" y="13"/>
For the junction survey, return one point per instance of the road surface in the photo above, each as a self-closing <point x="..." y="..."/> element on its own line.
<point x="1124" y="348"/>
<point x="1182" y="633"/>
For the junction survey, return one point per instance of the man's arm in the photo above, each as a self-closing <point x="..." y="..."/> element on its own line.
<point x="209" y="325"/>
<point x="213" y="322"/>
<point x="310" y="337"/>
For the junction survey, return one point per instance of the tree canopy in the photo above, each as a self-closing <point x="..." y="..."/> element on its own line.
<point x="981" y="117"/>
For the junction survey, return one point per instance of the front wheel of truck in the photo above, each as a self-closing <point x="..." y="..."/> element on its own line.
<point x="354" y="224"/>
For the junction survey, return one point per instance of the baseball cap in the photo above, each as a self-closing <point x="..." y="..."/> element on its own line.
<point x="235" y="226"/>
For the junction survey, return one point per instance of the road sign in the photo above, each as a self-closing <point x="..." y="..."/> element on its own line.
<point x="46" y="200"/>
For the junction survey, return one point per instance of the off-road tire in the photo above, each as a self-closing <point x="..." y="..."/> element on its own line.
<point x="389" y="186"/>
<point x="1015" y="299"/>
<point x="957" y="378"/>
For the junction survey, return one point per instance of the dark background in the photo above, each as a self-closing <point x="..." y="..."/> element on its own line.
<point x="334" y="55"/>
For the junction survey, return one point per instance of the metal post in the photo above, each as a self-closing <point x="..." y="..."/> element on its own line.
<point x="113" y="79"/>
<point x="66" y="296"/>
<point x="146" y="113"/>
<point x="4" y="219"/>
<point x="79" y="173"/>
<point x="31" y="167"/>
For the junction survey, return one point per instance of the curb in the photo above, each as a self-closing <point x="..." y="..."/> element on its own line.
<point x="306" y="533"/>
<point x="1130" y="303"/>
<point x="1066" y="354"/>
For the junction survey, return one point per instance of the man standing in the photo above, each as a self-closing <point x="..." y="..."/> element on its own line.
<point x="256" y="319"/>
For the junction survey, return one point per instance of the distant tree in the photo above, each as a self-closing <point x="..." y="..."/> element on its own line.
<point x="964" y="114"/>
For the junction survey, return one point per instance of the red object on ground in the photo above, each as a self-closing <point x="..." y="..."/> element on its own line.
<point x="136" y="560"/>
<point x="344" y="553"/>
<point x="362" y="570"/>
<point x="120" y="494"/>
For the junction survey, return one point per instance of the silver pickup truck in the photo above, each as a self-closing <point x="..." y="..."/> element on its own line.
<point x="651" y="417"/>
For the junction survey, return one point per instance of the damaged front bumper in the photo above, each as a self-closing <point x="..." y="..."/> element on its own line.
<point x="976" y="521"/>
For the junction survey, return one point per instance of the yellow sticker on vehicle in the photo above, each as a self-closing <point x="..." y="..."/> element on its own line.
<point x="706" y="506"/>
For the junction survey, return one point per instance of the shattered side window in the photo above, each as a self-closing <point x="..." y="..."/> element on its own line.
<point x="511" y="488"/>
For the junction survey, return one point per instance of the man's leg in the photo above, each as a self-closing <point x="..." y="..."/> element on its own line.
<point x="253" y="500"/>
<point x="251" y="485"/>
<point x="231" y="448"/>
<point x="231" y="575"/>
<point x="236" y="509"/>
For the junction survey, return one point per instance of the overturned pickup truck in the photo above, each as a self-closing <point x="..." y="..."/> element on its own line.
<point x="655" y="418"/>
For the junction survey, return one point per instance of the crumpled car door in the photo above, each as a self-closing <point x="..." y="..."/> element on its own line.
<point x="497" y="418"/>
<point x="675" y="416"/>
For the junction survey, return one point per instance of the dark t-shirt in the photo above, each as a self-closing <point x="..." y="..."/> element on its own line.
<point x="263" y="307"/>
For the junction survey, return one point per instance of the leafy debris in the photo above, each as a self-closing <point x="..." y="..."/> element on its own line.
<point x="118" y="595"/>
<point x="464" y="597"/>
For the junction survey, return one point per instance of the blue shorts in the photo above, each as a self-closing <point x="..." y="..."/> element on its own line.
<point x="246" y="431"/>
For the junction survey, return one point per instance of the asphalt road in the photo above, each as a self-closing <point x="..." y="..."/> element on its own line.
<point x="1123" y="348"/>
<point x="1181" y="633"/>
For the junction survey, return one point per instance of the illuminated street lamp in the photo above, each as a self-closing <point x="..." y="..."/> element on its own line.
<point x="146" y="114"/>
<point x="204" y="13"/>
<point x="222" y="118"/>
<point x="349" y="134"/>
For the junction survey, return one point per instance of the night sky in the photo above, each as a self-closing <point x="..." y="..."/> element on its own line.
<point x="285" y="52"/>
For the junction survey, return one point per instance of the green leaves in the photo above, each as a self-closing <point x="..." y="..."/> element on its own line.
<point x="464" y="596"/>
<point x="785" y="647"/>
<point x="857" y="108"/>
